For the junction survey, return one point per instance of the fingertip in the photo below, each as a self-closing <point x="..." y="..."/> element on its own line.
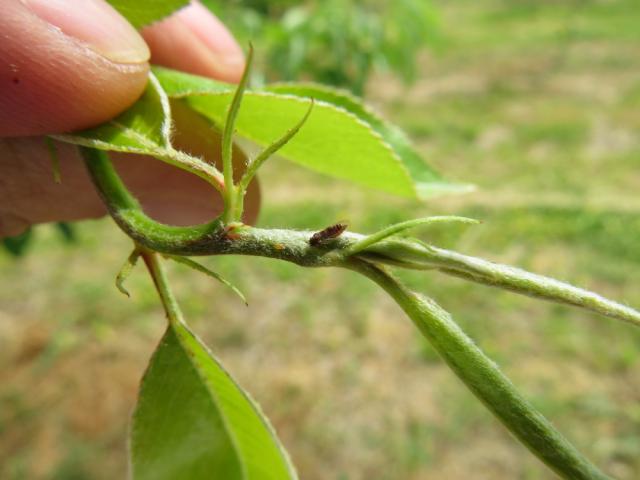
<point x="213" y="33"/>
<point x="96" y="24"/>
<point x="51" y="82"/>
<point x="196" y="41"/>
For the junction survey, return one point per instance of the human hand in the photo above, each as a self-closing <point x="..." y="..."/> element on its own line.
<point x="72" y="64"/>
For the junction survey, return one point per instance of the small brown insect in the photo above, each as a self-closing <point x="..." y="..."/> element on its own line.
<point x="333" y="231"/>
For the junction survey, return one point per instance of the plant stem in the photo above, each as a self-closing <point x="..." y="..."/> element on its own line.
<point x="186" y="162"/>
<point x="374" y="238"/>
<point x="479" y="373"/>
<point x="230" y="196"/>
<point x="485" y="379"/>
<point x="127" y="213"/>
<point x="159" y="276"/>
<point x="293" y="246"/>
<point x="526" y="283"/>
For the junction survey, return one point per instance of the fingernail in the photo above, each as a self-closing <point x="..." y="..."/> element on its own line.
<point x="96" y="24"/>
<point x="215" y="36"/>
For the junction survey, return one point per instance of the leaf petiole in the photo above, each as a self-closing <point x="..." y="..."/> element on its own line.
<point x="159" y="276"/>
<point x="227" y="141"/>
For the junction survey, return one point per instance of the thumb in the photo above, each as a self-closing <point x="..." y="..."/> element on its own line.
<point x="66" y="65"/>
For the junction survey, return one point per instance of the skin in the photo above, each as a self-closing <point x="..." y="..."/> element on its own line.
<point x="66" y="65"/>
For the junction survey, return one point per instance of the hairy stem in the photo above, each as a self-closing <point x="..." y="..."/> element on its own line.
<point x="527" y="283"/>
<point x="197" y="166"/>
<point x="485" y="380"/>
<point x="293" y="246"/>
<point x="479" y="373"/>
<point x="159" y="276"/>
<point x="263" y="156"/>
<point x="374" y="238"/>
<point x="229" y="196"/>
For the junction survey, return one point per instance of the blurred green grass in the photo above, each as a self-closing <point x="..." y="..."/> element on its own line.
<point x="536" y="103"/>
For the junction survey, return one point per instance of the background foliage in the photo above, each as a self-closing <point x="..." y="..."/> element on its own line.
<point x="536" y="103"/>
<point x="339" y="42"/>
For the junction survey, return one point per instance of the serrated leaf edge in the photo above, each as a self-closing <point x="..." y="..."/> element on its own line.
<point x="424" y="189"/>
<point x="254" y="404"/>
<point x="321" y="103"/>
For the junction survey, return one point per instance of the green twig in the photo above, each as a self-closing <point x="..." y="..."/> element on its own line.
<point x="480" y="374"/>
<point x="519" y="281"/>
<point x="162" y="150"/>
<point x="485" y="379"/>
<point x="227" y="141"/>
<point x="293" y="246"/>
<point x="374" y="238"/>
<point x="195" y="165"/>
<point x="159" y="276"/>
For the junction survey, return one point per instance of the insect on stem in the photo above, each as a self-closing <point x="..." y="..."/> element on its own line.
<point x="329" y="233"/>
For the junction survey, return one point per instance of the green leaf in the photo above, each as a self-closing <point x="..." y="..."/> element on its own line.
<point x="144" y="129"/>
<point x="485" y="379"/>
<point x="143" y="12"/>
<point x="179" y="84"/>
<point x="333" y="141"/>
<point x="271" y="150"/>
<point x="193" y="421"/>
<point x="428" y="182"/>
<point x="391" y="230"/>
